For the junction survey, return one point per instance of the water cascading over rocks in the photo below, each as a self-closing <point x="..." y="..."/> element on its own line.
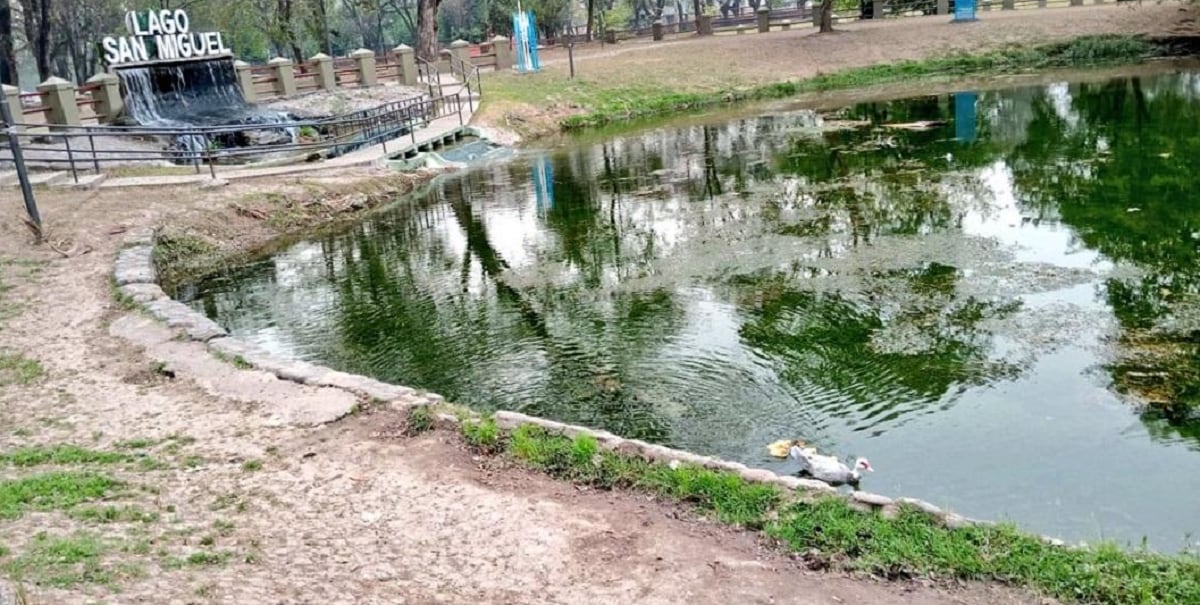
<point x="200" y="94"/>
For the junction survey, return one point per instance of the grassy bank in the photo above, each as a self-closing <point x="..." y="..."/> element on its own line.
<point x="592" y="104"/>
<point x="831" y="533"/>
<point x="264" y="217"/>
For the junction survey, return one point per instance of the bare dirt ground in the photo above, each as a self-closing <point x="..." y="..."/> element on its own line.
<point x="686" y="63"/>
<point x="236" y="502"/>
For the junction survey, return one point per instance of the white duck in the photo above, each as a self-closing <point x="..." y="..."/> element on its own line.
<point x="827" y="468"/>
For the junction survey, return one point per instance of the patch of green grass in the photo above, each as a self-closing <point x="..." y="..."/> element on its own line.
<point x="911" y="544"/>
<point x="238" y="361"/>
<point x="124" y="300"/>
<point x="60" y="454"/>
<point x="611" y="105"/>
<point x="16" y="369"/>
<point x="48" y="491"/>
<point x="204" y="558"/>
<point x="250" y="466"/>
<point x="420" y="419"/>
<point x="113" y="514"/>
<point x="136" y="444"/>
<point x="483" y="435"/>
<point x="66" y="562"/>
<point x="178" y="254"/>
<point x="223" y="527"/>
<point x="4" y="551"/>
<point x="22" y="431"/>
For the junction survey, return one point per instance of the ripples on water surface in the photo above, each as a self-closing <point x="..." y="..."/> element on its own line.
<point x="951" y="302"/>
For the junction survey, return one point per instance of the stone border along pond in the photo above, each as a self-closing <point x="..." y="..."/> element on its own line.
<point x="135" y="277"/>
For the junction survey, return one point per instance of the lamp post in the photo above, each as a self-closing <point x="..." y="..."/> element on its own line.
<point x="18" y="158"/>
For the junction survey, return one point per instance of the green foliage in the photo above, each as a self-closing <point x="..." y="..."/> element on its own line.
<point x="483" y="435"/>
<point x="60" y="454"/>
<point x="113" y="514"/>
<point x="63" y="562"/>
<point x="420" y="420"/>
<point x="913" y="543"/>
<point x="50" y="491"/>
<point x="19" y="370"/>
<point x="176" y="255"/>
<point x="250" y="466"/>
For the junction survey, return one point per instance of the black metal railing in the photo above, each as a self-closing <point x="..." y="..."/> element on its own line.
<point x="468" y="75"/>
<point x="199" y="146"/>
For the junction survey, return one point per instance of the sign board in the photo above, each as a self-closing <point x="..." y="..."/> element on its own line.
<point x="163" y="35"/>
<point x="964" y="10"/>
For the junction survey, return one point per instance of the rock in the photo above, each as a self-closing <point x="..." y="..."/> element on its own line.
<point x="143" y="293"/>
<point x="135" y="265"/>
<point x="872" y="499"/>
<point x="920" y="505"/>
<point x="139" y="236"/>
<point x="178" y="315"/>
<point x="233" y="347"/>
<point x="368" y="387"/>
<point x="446" y="421"/>
<point x="267" y="136"/>
<point x="955" y="521"/>
<point x="758" y="475"/>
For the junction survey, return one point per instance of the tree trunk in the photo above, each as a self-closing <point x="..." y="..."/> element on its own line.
<point x="8" y="53"/>
<point x="427" y="26"/>
<point x="698" y="10"/>
<point x="826" y="16"/>
<point x="591" y="8"/>
<point x="36" y="14"/>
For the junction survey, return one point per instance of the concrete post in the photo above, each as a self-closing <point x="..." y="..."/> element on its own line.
<point x="12" y="95"/>
<point x="366" y="66"/>
<point x="816" y="14"/>
<point x="59" y="95"/>
<point x="108" y="105"/>
<point x="504" y="57"/>
<point x="876" y="9"/>
<point x="1076" y="2"/>
<point x="785" y="25"/>
<point x="706" y="25"/>
<point x="406" y="60"/>
<point x="1043" y="3"/>
<point x="764" y="18"/>
<point x="326" y="79"/>
<point x="285" y="78"/>
<point x="943" y="7"/>
<point x="1008" y="5"/>
<point x="245" y="78"/>
<point x="460" y="50"/>
<point x="656" y="30"/>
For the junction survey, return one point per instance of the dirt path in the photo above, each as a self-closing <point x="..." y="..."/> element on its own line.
<point x="230" y="501"/>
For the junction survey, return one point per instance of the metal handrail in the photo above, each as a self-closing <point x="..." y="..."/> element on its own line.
<point x="342" y="134"/>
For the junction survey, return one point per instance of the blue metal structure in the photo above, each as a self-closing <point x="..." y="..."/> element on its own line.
<point x="525" y="42"/>
<point x="964" y="116"/>
<point x="543" y="184"/>
<point x="964" y="10"/>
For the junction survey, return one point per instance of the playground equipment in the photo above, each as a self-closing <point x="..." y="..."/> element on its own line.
<point x="525" y="41"/>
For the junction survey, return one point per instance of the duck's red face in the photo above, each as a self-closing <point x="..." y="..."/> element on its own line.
<point x="863" y="464"/>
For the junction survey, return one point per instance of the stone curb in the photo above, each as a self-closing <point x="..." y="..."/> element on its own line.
<point x="136" y="277"/>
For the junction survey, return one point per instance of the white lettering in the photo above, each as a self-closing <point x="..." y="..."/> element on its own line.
<point x="167" y="49"/>
<point x="139" y="49"/>
<point x="182" y="23"/>
<point x="170" y="33"/>
<point x="153" y="26"/>
<point x="112" y="52"/>
<point x="166" y="21"/>
<point x="185" y="46"/>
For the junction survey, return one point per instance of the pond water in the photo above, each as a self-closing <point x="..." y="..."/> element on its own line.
<point x="947" y="285"/>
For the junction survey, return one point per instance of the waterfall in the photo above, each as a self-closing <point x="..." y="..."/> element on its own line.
<point x="199" y="93"/>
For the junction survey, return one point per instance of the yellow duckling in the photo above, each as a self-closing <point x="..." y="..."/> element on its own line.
<point x="780" y="449"/>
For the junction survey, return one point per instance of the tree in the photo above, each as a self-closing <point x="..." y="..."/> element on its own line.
<point x="427" y="29"/>
<point x="826" y="16"/>
<point x="36" y="15"/>
<point x="8" y="54"/>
